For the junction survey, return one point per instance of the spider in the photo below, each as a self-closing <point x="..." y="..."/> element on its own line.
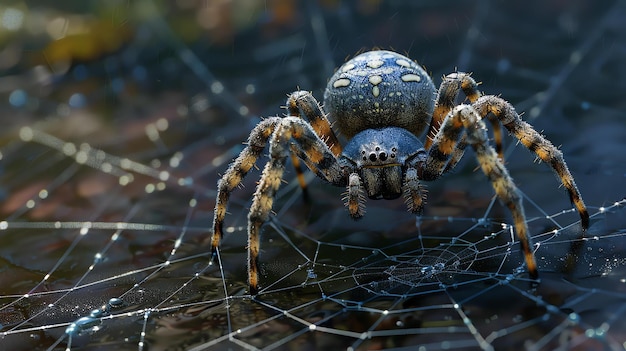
<point x="382" y="102"/>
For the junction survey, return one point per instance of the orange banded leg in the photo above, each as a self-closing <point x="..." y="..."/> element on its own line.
<point x="236" y="172"/>
<point x="445" y="143"/>
<point x="536" y="143"/>
<point x="502" y="182"/>
<point x="414" y="192"/>
<point x="299" y="174"/>
<point x="313" y="150"/>
<point x="297" y="157"/>
<point x="354" y="197"/>
<point x="259" y="214"/>
<point x="470" y="89"/>
<point x="497" y="135"/>
<point x="446" y="100"/>
<point x="458" y="152"/>
<point x="302" y="104"/>
<point x="465" y="117"/>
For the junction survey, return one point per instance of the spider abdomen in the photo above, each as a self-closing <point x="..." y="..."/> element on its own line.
<point x="380" y="89"/>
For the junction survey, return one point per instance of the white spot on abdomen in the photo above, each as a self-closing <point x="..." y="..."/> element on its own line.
<point x="411" y="78"/>
<point x="342" y="82"/>
<point x="347" y="67"/>
<point x="375" y="63"/>
<point x="375" y="91"/>
<point x="375" y="80"/>
<point x="403" y="63"/>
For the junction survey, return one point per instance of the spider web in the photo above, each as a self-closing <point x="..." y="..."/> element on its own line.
<point x="109" y="167"/>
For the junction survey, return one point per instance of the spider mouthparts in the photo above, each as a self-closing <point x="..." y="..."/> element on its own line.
<point x="383" y="182"/>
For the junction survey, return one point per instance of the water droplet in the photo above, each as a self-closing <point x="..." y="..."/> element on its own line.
<point x="116" y="302"/>
<point x="97" y="313"/>
<point x="71" y="329"/>
<point x="86" y="322"/>
<point x="83" y="324"/>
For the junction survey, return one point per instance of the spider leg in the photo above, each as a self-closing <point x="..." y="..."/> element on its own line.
<point x="470" y="88"/>
<point x="299" y="173"/>
<point x="317" y="153"/>
<point x="446" y="100"/>
<point x="414" y="191"/>
<point x="236" y="172"/>
<point x="302" y="104"/>
<point x="465" y="118"/>
<point x="536" y="143"/>
<point x="354" y="197"/>
<point x="298" y="156"/>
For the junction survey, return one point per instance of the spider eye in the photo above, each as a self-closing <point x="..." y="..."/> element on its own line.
<point x="382" y="156"/>
<point x="372" y="157"/>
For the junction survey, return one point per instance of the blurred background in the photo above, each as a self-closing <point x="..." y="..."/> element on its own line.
<point x="118" y="117"/>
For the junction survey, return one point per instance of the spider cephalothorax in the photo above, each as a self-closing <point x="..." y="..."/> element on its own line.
<point x="382" y="102"/>
<point x="380" y="157"/>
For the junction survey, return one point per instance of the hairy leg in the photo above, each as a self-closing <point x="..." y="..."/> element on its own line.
<point x="314" y="151"/>
<point x="354" y="197"/>
<point x="236" y="172"/>
<point x="536" y="143"/>
<point x="446" y="100"/>
<point x="464" y="118"/>
<point x="414" y="191"/>
<point x="302" y="104"/>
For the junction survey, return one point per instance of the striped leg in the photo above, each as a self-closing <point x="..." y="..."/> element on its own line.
<point x="295" y="160"/>
<point x="465" y="118"/>
<point x="316" y="152"/>
<point x="470" y="89"/>
<point x="536" y="143"/>
<point x="354" y="197"/>
<point x="236" y="171"/>
<point x="302" y="104"/>
<point x="446" y="100"/>
<point x="448" y="92"/>
<point x="414" y="191"/>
